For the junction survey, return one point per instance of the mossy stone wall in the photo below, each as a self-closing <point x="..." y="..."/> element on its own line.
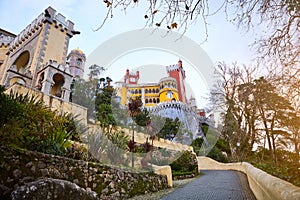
<point x="20" y="167"/>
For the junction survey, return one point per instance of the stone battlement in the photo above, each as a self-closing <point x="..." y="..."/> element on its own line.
<point x="48" y="16"/>
<point x="5" y="40"/>
<point x="175" y="67"/>
<point x="61" y="67"/>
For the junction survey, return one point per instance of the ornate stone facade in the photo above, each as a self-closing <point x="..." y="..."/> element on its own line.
<point x="37" y="57"/>
<point x="166" y="98"/>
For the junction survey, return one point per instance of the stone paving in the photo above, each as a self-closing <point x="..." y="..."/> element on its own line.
<point x="214" y="185"/>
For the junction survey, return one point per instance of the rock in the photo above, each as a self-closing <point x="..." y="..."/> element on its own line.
<point x="94" y="185"/>
<point x="88" y="189"/>
<point x="27" y="179"/>
<point x="56" y="173"/>
<point x="65" y="168"/>
<point x="105" y="191"/>
<point x="112" y="185"/>
<point x="33" y="168"/>
<point x="123" y="191"/>
<point x="52" y="189"/>
<point x="17" y="173"/>
<point x="116" y="194"/>
<point x="28" y="165"/>
<point x="120" y="175"/>
<point x="41" y="165"/>
<point x="44" y="172"/>
<point x="4" y="190"/>
<point x="9" y="179"/>
<point x="76" y="181"/>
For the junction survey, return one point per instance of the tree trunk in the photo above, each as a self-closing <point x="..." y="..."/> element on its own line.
<point x="273" y="141"/>
<point x="262" y="113"/>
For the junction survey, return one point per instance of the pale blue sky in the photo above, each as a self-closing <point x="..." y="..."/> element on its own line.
<point x="225" y="42"/>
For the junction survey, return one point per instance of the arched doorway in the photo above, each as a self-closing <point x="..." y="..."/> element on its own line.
<point x="22" y="61"/>
<point x="17" y="79"/>
<point x="56" y="89"/>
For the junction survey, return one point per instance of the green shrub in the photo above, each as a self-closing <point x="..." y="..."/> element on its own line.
<point x="217" y="155"/>
<point x="196" y="144"/>
<point x="176" y="173"/>
<point x="26" y="122"/>
<point x="187" y="162"/>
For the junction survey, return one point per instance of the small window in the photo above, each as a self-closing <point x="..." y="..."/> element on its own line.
<point x="169" y="94"/>
<point x="79" y="61"/>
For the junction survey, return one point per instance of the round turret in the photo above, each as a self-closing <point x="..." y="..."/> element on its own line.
<point x="76" y="60"/>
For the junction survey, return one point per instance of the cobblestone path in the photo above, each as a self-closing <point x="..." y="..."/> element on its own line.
<point x="214" y="185"/>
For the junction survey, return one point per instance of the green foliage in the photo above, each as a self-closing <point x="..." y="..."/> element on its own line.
<point x="287" y="167"/>
<point x="223" y="145"/>
<point x="103" y="106"/>
<point x="178" y="173"/>
<point x="142" y="118"/>
<point x="83" y="93"/>
<point x="140" y="115"/>
<point x="170" y="129"/>
<point x="120" y="139"/>
<point x="216" y="154"/>
<point x="197" y="144"/>
<point x="116" y="148"/>
<point x="9" y="109"/>
<point x="204" y="128"/>
<point x="27" y="123"/>
<point x="187" y="162"/>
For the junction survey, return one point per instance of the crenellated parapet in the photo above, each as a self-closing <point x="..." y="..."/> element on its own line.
<point x="5" y="40"/>
<point x="49" y="16"/>
<point x="26" y="33"/>
<point x="172" y="105"/>
<point x="173" y="68"/>
<point x="58" y="66"/>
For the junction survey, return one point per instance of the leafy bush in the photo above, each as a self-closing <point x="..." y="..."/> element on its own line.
<point x="196" y="144"/>
<point x="217" y="155"/>
<point x="26" y="122"/>
<point x="286" y="168"/>
<point x="187" y="162"/>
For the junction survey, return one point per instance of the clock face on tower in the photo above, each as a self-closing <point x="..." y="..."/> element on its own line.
<point x="132" y="79"/>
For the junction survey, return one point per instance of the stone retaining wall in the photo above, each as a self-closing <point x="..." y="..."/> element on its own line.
<point x="20" y="167"/>
<point x="55" y="103"/>
<point x="162" y="143"/>
<point x="263" y="185"/>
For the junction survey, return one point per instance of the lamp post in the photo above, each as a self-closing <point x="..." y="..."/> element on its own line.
<point x="239" y="151"/>
<point x="132" y="156"/>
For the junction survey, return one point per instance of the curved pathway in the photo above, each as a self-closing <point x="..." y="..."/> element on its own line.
<point x="215" y="185"/>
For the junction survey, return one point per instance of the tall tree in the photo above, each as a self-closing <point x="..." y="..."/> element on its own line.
<point x="103" y="105"/>
<point x="170" y="129"/>
<point x="84" y="91"/>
